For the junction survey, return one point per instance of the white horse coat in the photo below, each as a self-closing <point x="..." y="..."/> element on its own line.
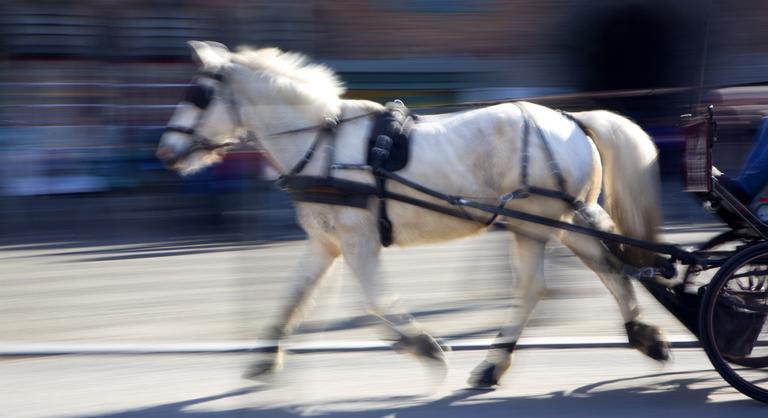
<point x="475" y="154"/>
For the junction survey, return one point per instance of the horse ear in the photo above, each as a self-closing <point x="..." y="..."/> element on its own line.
<point x="198" y="51"/>
<point x="209" y="53"/>
<point x="218" y="47"/>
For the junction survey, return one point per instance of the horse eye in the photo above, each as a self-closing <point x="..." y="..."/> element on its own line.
<point x="199" y="95"/>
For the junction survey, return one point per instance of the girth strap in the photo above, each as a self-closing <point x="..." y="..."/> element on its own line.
<point x="379" y="155"/>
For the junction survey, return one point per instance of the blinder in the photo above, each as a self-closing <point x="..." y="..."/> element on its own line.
<point x="200" y="95"/>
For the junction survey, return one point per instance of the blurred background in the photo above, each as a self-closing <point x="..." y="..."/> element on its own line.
<point x="86" y="86"/>
<point x="99" y="243"/>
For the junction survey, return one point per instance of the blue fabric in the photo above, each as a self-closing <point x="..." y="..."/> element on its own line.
<point x="754" y="172"/>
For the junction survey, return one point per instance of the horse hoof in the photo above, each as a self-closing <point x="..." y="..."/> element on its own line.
<point x="428" y="347"/>
<point x="648" y="339"/>
<point x="264" y="368"/>
<point x="261" y="369"/>
<point x="487" y="374"/>
<point x="421" y="345"/>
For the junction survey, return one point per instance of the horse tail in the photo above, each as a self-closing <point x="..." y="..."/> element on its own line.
<point x="630" y="176"/>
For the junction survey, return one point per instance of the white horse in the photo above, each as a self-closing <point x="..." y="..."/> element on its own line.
<point x="284" y="101"/>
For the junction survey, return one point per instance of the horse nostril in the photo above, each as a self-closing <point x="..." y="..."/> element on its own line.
<point x="163" y="154"/>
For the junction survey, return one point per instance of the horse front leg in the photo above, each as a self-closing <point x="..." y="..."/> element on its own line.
<point x="531" y="288"/>
<point x="361" y="252"/>
<point x="646" y="338"/>
<point x="318" y="257"/>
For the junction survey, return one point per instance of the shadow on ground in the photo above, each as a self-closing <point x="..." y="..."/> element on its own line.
<point x="679" y="394"/>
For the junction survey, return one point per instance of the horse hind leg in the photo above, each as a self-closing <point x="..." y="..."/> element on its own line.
<point x="646" y="338"/>
<point x="316" y="261"/>
<point x="531" y="288"/>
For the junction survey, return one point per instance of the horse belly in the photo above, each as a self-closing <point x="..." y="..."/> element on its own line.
<point x="413" y="225"/>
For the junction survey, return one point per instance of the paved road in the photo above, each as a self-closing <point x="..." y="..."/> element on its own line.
<point x="222" y="292"/>
<point x="207" y="290"/>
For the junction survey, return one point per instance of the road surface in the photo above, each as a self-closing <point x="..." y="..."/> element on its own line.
<point x="213" y="295"/>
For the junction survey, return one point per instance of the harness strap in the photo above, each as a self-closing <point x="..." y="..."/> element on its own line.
<point x="198" y="142"/>
<point x="525" y="156"/>
<point x="327" y="130"/>
<point x="570" y="200"/>
<point x="556" y="171"/>
<point x="526" y="189"/>
<point x="385" y="224"/>
<point x="380" y="153"/>
<point x="570" y="117"/>
<point x="299" y="167"/>
<point x="180" y="129"/>
<point x="385" y="155"/>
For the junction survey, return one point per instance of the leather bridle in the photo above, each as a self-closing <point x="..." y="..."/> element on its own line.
<point x="201" y="95"/>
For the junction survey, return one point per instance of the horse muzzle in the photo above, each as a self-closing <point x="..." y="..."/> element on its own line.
<point x="164" y="154"/>
<point x="169" y="157"/>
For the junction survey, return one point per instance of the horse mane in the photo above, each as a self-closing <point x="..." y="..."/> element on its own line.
<point x="294" y="77"/>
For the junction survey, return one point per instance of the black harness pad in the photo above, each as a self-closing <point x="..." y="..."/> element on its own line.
<point x="394" y="123"/>
<point x="388" y="150"/>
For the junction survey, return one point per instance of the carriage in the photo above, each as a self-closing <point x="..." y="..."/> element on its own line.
<point x="722" y="297"/>
<point x="358" y="189"/>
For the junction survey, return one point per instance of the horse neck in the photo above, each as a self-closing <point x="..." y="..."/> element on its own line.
<point x="290" y="148"/>
<point x="272" y="125"/>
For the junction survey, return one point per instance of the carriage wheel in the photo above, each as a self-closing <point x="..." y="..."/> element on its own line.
<point x="732" y="321"/>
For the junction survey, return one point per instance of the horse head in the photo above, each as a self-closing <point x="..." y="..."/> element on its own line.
<point x="203" y="122"/>
<point x="259" y="91"/>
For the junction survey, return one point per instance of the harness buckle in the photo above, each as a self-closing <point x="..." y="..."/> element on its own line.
<point x="521" y="193"/>
<point x="554" y="166"/>
<point x="454" y="200"/>
<point x="282" y="182"/>
<point x="330" y="125"/>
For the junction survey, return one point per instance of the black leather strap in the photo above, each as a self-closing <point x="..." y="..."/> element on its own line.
<point x="200" y="95"/>
<point x="551" y="160"/>
<point x="385" y="224"/>
<point x="180" y="129"/>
